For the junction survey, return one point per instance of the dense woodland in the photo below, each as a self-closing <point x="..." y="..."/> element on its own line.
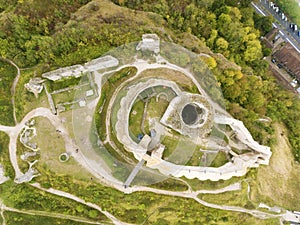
<point x="55" y="33"/>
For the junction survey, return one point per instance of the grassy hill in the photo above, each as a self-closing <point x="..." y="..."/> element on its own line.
<point x="43" y="35"/>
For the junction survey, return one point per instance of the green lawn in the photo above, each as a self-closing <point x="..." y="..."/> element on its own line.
<point x="196" y="158"/>
<point x="235" y="198"/>
<point x="211" y="185"/>
<point x="136" y="117"/>
<point x="170" y="184"/>
<point x="63" y="83"/>
<point x="170" y="144"/>
<point x="51" y="147"/>
<point x="107" y="91"/>
<point x="219" y="160"/>
<point x="156" y="108"/>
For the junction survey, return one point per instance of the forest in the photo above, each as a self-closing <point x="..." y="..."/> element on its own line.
<point x="47" y="35"/>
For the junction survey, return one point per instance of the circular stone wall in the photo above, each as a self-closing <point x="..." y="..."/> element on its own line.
<point x="190" y="113"/>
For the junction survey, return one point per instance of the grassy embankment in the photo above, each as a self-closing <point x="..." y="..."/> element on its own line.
<point x="107" y="91"/>
<point x="14" y="218"/>
<point x="278" y="183"/>
<point x="155" y="209"/>
<point x="274" y="185"/>
<point x="25" y="197"/>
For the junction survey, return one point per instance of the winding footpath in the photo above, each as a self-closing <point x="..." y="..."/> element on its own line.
<point x="46" y="214"/>
<point x="13" y="88"/>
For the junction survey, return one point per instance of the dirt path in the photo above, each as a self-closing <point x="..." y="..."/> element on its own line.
<point x="77" y="199"/>
<point x="193" y="195"/>
<point x="46" y="214"/>
<point x="13" y="88"/>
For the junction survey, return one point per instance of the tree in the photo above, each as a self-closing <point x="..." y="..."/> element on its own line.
<point x="263" y="23"/>
<point x="247" y="17"/>
<point x="217" y="4"/>
<point x="210" y="61"/>
<point x="4" y="47"/>
<point x="221" y="44"/>
<point x="80" y="209"/>
<point x="253" y="51"/>
<point x="211" y="41"/>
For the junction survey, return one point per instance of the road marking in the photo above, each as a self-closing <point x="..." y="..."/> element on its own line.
<point x="258" y="9"/>
<point x="274" y="25"/>
<point x="281" y="32"/>
<point x="295" y="47"/>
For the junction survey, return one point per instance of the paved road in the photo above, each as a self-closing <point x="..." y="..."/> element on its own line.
<point x="287" y="34"/>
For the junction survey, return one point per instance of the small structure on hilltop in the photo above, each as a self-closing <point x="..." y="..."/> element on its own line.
<point x="149" y="42"/>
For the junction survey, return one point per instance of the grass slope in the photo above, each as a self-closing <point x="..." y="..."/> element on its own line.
<point x="278" y="183"/>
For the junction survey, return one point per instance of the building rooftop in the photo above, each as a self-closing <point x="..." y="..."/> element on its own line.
<point x="289" y="58"/>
